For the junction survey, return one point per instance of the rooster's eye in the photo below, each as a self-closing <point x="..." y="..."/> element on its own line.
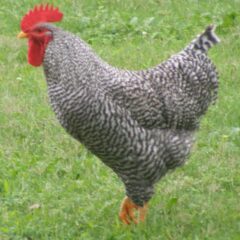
<point x="38" y="30"/>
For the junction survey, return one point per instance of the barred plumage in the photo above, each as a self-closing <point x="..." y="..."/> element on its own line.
<point x="139" y="123"/>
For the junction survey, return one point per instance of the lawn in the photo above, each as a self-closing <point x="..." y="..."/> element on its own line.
<point x="51" y="187"/>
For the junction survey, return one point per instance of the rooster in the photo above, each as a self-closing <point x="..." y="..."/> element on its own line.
<point x="139" y="123"/>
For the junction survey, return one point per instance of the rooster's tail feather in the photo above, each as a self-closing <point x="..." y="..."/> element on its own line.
<point x="206" y="40"/>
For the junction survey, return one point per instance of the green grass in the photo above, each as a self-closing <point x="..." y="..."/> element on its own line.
<point x="52" y="188"/>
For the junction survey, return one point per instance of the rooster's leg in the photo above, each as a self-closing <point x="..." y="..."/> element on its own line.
<point x="127" y="211"/>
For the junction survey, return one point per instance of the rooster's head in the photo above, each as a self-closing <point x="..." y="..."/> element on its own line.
<point x="38" y="35"/>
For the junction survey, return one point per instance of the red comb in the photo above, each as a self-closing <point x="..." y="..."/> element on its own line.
<point x="41" y="13"/>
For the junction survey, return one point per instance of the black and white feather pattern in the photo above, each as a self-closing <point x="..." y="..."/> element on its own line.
<point x="139" y="123"/>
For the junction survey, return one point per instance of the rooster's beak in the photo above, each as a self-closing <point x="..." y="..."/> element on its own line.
<point x="22" y="35"/>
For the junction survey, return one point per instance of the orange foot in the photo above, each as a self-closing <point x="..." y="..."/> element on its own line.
<point x="127" y="211"/>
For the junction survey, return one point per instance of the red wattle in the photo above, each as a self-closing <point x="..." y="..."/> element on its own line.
<point x="35" y="52"/>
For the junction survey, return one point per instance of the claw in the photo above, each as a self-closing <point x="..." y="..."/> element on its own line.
<point x="128" y="209"/>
